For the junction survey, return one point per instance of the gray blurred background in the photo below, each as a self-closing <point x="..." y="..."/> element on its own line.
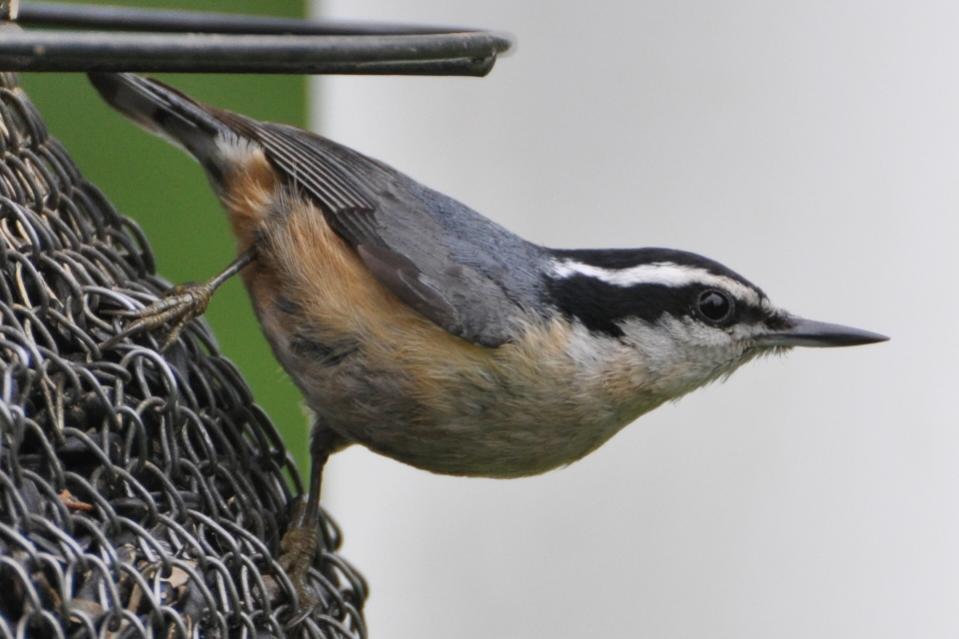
<point x="814" y="147"/>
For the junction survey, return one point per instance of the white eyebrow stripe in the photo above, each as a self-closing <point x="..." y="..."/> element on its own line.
<point x="659" y="273"/>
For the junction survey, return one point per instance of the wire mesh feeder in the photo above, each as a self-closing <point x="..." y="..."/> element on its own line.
<point x="141" y="495"/>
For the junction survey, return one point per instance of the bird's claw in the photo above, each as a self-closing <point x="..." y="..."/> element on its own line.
<point x="178" y="307"/>
<point x="298" y="550"/>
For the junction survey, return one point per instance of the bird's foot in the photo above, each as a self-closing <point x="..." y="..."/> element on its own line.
<point x="178" y="307"/>
<point x="298" y="550"/>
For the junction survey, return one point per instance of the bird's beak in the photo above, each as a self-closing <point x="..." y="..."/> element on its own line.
<point x="797" y="331"/>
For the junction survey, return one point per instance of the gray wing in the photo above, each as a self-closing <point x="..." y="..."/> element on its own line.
<point x="398" y="236"/>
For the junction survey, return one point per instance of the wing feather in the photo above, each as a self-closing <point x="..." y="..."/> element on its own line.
<point x="454" y="296"/>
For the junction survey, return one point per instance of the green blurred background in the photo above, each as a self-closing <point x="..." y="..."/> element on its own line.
<point x="167" y="194"/>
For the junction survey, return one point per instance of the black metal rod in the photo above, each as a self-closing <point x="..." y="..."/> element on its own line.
<point x="161" y="20"/>
<point x="442" y="54"/>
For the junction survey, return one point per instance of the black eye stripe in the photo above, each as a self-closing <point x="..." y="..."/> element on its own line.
<point x="601" y="306"/>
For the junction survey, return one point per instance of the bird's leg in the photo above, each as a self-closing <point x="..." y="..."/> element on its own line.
<point x="182" y="304"/>
<point x="299" y="545"/>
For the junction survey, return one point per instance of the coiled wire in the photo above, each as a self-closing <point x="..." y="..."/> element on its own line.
<point x="141" y="494"/>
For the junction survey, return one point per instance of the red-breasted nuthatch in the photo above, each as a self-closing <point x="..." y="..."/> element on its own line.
<point x="419" y="328"/>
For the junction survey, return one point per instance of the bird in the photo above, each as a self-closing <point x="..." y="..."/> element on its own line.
<point x="428" y="333"/>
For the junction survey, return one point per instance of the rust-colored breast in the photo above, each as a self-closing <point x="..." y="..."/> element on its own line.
<point x="248" y="194"/>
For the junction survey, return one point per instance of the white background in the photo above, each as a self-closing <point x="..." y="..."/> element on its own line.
<point x="812" y="146"/>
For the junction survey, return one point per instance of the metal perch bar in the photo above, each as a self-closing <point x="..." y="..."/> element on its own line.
<point x="464" y="54"/>
<point x="222" y="43"/>
<point x="108" y="17"/>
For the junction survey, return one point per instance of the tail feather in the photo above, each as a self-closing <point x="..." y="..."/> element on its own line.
<point x="164" y="111"/>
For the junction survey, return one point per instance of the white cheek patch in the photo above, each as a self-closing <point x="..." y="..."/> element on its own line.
<point x="679" y="355"/>
<point x="657" y="273"/>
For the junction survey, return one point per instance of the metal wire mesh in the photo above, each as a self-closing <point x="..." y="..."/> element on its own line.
<point x="141" y="495"/>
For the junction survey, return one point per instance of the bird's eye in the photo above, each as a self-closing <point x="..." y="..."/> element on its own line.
<point x="714" y="305"/>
